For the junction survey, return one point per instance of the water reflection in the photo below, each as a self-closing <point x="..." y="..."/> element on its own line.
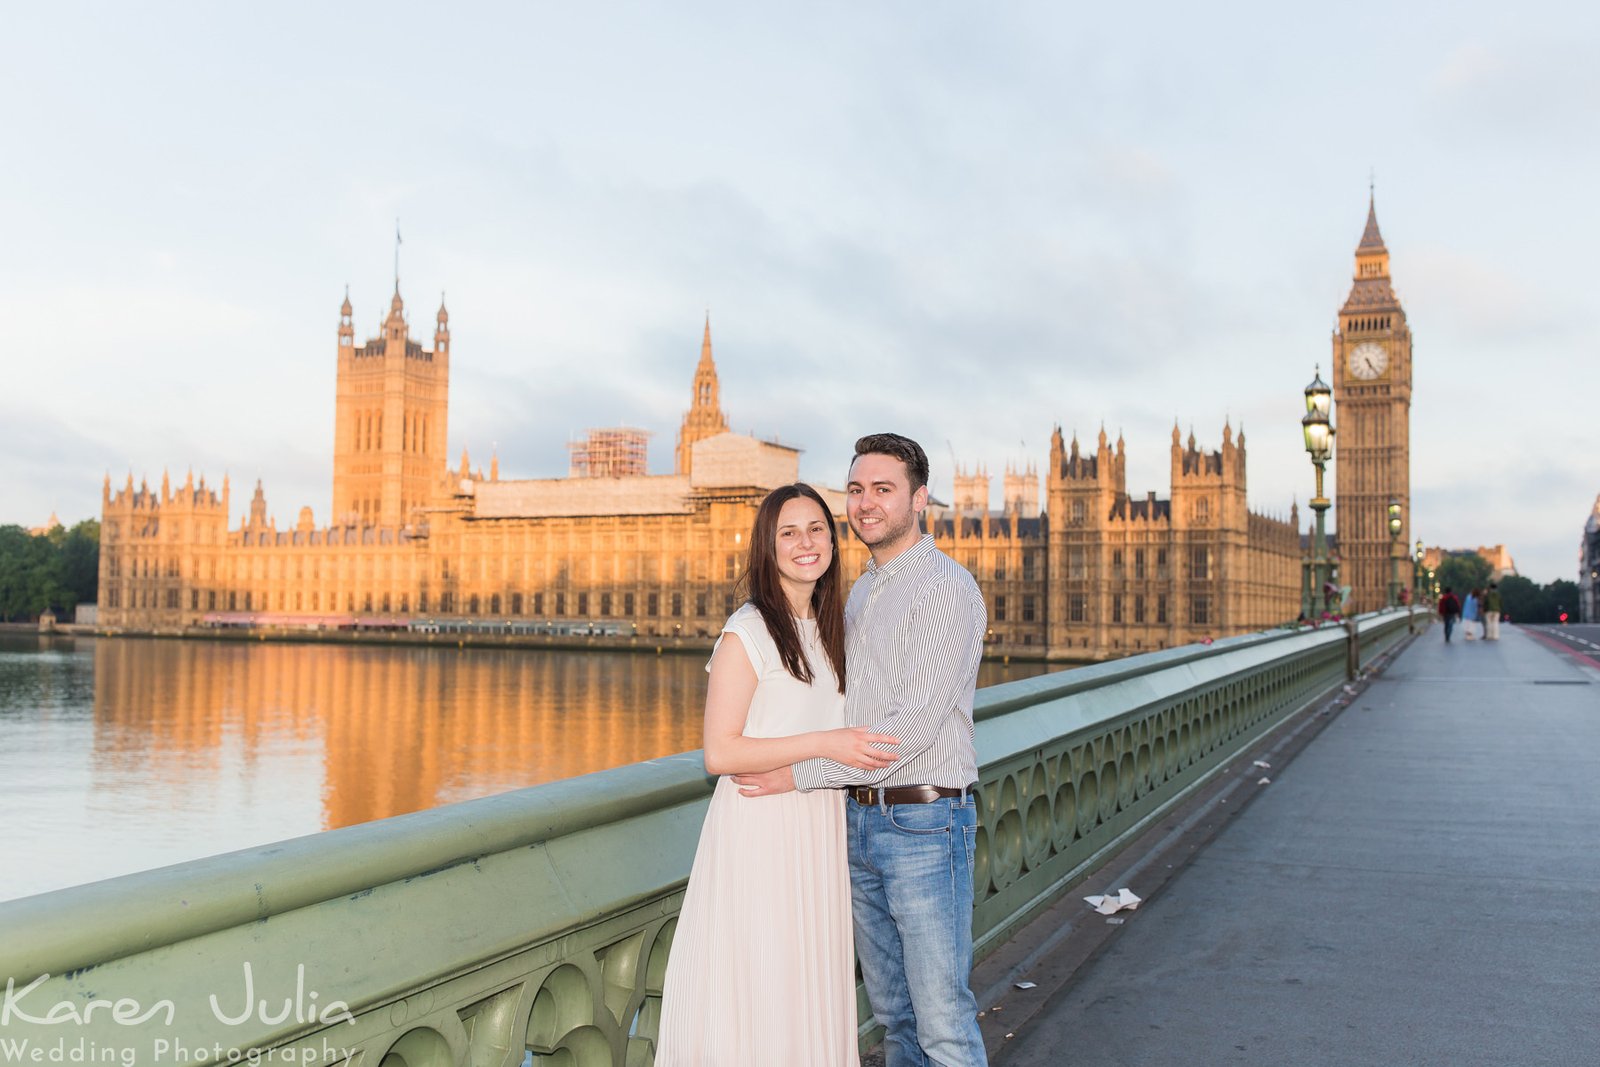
<point x="121" y="755"/>
<point x="383" y="731"/>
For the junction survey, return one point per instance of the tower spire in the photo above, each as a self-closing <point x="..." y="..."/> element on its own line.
<point x="1371" y="239"/>
<point x="397" y="257"/>
<point x="347" y="330"/>
<point x="705" y="417"/>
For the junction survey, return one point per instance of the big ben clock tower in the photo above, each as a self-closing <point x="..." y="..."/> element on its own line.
<point x="1372" y="391"/>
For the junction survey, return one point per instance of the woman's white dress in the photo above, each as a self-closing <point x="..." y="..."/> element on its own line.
<point x="762" y="969"/>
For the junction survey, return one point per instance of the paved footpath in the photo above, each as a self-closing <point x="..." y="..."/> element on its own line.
<point x="1420" y="886"/>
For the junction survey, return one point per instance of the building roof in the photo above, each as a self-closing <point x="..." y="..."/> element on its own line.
<point x="1149" y="509"/>
<point x="726" y="461"/>
<point x="998" y="523"/>
<point x="657" y="494"/>
<point x="731" y="460"/>
<point x="1371" y="239"/>
<point x="1372" y="292"/>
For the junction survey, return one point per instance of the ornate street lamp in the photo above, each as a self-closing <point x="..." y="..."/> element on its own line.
<point x="1318" y="429"/>
<point x="1395" y="523"/>
<point x="1417" y="591"/>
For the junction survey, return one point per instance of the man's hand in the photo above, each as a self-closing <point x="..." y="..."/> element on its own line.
<point x="766" y="784"/>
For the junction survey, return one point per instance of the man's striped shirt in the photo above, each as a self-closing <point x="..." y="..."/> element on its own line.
<point x="913" y="637"/>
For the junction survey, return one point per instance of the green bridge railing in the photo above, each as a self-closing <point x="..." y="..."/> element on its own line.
<point x="537" y="924"/>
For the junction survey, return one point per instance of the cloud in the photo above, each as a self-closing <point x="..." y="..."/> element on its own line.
<point x="1483" y="297"/>
<point x="1536" y="509"/>
<point x="967" y="227"/>
<point x="48" y="465"/>
<point x="1471" y="67"/>
<point x="1521" y="91"/>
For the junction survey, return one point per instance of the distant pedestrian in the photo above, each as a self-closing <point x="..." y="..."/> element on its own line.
<point x="1449" y="611"/>
<point x="1471" y="612"/>
<point x="1491" y="612"/>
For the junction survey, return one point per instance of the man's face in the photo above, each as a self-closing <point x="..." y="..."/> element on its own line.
<point x="883" y="510"/>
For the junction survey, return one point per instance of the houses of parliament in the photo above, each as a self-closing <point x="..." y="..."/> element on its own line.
<point x="1089" y="572"/>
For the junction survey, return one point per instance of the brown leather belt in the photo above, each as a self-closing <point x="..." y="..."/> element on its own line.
<point x="902" y="794"/>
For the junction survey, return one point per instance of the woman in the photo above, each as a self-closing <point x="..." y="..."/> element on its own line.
<point x="762" y="969"/>
<point x="1469" y="613"/>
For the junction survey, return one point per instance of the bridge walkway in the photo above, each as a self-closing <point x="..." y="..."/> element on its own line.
<point x="1421" y="885"/>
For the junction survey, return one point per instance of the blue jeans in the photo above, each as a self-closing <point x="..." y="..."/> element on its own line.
<point x="911" y="890"/>
<point x="1449" y="625"/>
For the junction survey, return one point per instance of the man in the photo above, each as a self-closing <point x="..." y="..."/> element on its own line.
<point x="914" y="626"/>
<point x="1491" y="612"/>
<point x="1449" y="608"/>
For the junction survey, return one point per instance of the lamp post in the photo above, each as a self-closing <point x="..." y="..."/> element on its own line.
<point x="1417" y="571"/>
<point x="1318" y="429"/>
<point x="1394" y="552"/>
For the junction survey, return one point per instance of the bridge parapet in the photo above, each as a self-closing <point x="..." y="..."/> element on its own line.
<point x="539" y="921"/>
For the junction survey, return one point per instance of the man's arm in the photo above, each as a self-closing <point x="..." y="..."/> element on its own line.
<point x="943" y="646"/>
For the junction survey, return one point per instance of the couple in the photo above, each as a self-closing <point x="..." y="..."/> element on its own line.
<point x="843" y="732"/>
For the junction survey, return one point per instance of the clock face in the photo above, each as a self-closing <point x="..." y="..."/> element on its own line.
<point x="1368" y="360"/>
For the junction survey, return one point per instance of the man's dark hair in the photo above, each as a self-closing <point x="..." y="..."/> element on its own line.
<point x="904" y="449"/>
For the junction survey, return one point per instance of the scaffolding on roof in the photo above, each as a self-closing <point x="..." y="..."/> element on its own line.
<point x="609" y="452"/>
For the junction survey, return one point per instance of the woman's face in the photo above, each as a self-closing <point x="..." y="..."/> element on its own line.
<point x="804" y="542"/>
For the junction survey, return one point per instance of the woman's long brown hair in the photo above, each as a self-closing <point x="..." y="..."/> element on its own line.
<point x="763" y="587"/>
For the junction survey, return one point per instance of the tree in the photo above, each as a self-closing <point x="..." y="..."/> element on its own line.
<point x="1526" y="602"/>
<point x="1522" y="600"/>
<point x="53" y="570"/>
<point x="1463" y="571"/>
<point x="1562" y="595"/>
<point x="15" y="549"/>
<point x="80" y="562"/>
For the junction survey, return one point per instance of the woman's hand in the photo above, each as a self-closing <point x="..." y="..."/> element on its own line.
<point x="856" y="746"/>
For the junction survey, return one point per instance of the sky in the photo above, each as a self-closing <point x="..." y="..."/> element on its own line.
<point x="967" y="223"/>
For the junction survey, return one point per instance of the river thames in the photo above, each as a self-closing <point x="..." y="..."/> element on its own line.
<point x="119" y="755"/>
